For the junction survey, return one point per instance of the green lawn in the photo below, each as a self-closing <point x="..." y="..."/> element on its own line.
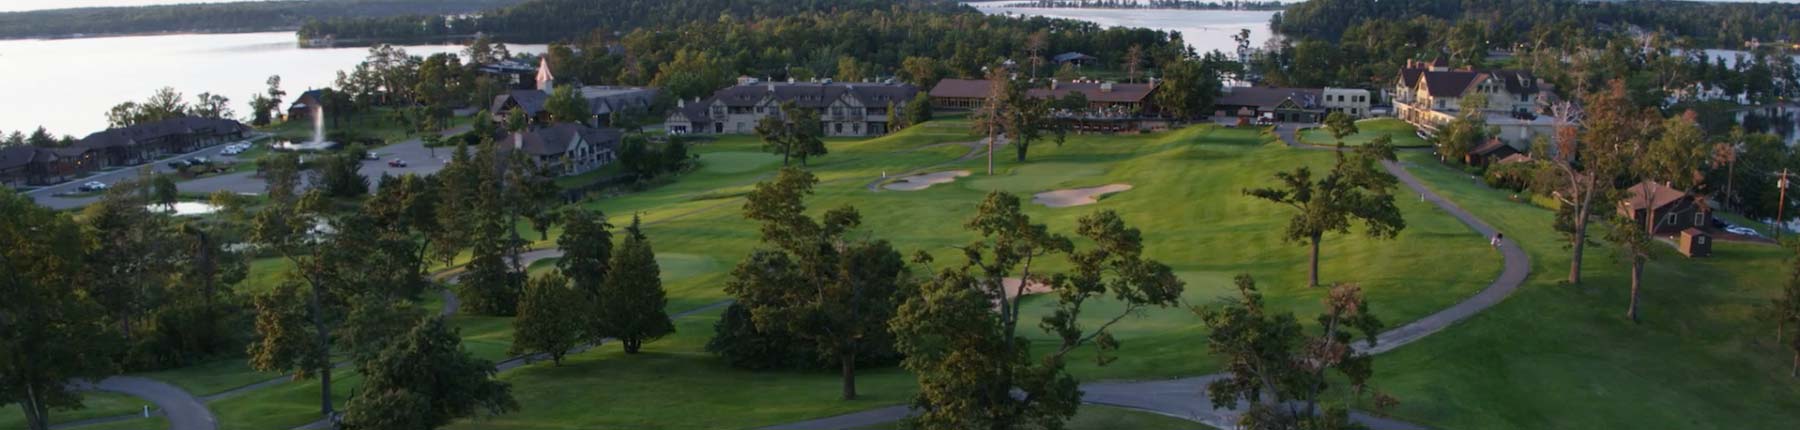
<point x="1556" y="356"/>
<point x="1188" y="201"/>
<point x="95" y="404"/>
<point x="1404" y="135"/>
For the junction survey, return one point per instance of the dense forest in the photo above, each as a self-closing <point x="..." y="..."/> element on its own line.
<point x="540" y="21"/>
<point x="1507" y="22"/>
<point x="916" y="46"/>
<point x="1159" y="4"/>
<point x="218" y="17"/>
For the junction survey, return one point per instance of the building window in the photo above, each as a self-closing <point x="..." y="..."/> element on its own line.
<point x="839" y="127"/>
<point x="1699" y="219"/>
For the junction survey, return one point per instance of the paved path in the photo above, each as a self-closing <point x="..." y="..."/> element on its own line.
<point x="183" y="410"/>
<point x="1186" y="398"/>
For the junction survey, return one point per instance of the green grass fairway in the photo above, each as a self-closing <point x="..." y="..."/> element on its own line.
<point x="1555" y="356"/>
<point x="1188" y="201"/>
<point x="1404" y="135"/>
<point x="95" y="404"/>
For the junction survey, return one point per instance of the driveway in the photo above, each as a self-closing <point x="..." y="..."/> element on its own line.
<point x="419" y="159"/>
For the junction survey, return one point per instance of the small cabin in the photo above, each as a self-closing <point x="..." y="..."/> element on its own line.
<point x="1696" y="243"/>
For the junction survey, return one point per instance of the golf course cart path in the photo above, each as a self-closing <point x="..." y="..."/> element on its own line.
<point x="183" y="410"/>
<point x="1186" y="398"/>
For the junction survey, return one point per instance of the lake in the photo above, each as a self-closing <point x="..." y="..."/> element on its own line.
<point x="1204" y="30"/>
<point x="68" y="85"/>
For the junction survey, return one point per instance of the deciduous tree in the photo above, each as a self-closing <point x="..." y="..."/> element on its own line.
<point x="1280" y="369"/>
<point x="1357" y="189"/>
<point x="960" y="330"/>
<point x="552" y="318"/>
<point x="425" y="380"/>
<point x="50" y="331"/>
<point x="813" y="279"/>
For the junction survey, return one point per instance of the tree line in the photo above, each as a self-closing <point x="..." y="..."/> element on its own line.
<point x="1510" y="22"/>
<point x="541" y="21"/>
<point x="218" y="17"/>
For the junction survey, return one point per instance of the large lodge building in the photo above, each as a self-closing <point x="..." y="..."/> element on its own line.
<point x="126" y="146"/>
<point x="845" y="109"/>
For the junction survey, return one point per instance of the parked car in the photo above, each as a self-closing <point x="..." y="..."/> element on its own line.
<point x="91" y="186"/>
<point x="371" y="156"/>
<point x="397" y="163"/>
<point x="198" y="161"/>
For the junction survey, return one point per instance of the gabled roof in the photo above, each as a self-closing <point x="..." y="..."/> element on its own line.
<point x="1660" y="195"/>
<point x="1097" y="92"/>
<point x="300" y="102"/>
<point x="1449" y="84"/>
<point x="13" y="157"/>
<point x="813" y="95"/>
<point x="604" y="100"/>
<point x="555" y="139"/>
<point x="532" y="101"/>
<point x="962" y="88"/>
<point x="137" y="134"/>
<point x="1267" y="98"/>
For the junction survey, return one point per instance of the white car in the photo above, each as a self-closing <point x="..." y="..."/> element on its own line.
<point x="92" y="186"/>
<point x="1742" y="231"/>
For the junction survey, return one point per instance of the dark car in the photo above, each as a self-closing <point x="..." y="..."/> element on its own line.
<point x="396" y="163"/>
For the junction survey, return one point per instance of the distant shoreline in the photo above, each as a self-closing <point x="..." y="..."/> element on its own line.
<point x="75" y="36"/>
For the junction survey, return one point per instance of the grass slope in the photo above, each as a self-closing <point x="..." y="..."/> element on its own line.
<point x="96" y="404"/>
<point x="1188" y="201"/>
<point x="1404" y="135"/>
<point x="1556" y="356"/>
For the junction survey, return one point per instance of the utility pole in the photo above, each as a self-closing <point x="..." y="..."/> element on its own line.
<point x="1779" y="216"/>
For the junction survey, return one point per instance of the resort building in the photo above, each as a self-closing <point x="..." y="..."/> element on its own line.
<point x="845" y="109"/>
<point x="1275" y="104"/>
<point x="566" y="148"/>
<point x="143" y="143"/>
<point x="24" y="165"/>
<point x="1112" y="106"/>
<point x="1271" y="104"/>
<point x="1429" y="95"/>
<point x="602" y="100"/>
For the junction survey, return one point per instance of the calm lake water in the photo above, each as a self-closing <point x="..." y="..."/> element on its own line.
<point x="68" y="85"/>
<point x="1204" y="30"/>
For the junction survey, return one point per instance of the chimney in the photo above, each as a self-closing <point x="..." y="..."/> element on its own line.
<point x="1106" y="87"/>
<point x="1052" y="84"/>
<point x="771" y="87"/>
<point x="681" y="103"/>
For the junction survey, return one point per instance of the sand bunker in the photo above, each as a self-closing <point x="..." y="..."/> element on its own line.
<point x="920" y="182"/>
<point x="1077" y="196"/>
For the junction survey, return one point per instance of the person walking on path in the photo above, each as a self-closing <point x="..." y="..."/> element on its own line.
<point x="1495" y="242"/>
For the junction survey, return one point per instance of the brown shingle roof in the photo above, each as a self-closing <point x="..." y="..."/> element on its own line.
<point x="134" y="135"/>
<point x="1660" y="195"/>
<point x="815" y="95"/>
<point x="1097" y="92"/>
